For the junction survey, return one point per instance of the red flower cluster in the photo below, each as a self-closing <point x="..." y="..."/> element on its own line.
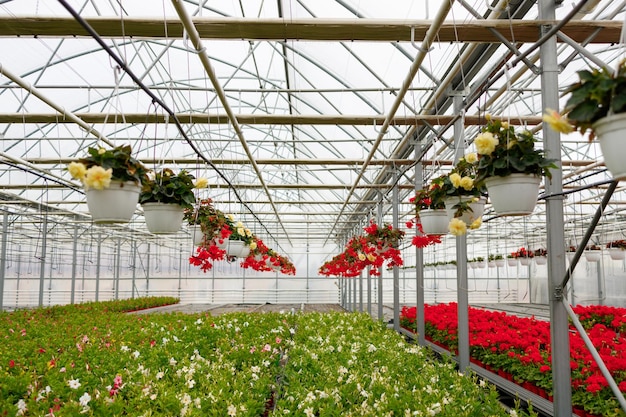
<point x="523" y="253"/>
<point x="422" y="240"/>
<point x="372" y="250"/>
<point x="520" y="348"/>
<point x="206" y="256"/>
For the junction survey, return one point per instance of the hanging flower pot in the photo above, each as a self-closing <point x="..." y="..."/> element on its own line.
<point x="511" y="262"/>
<point x="469" y="216"/>
<point x="234" y="247"/>
<point x="244" y="252"/>
<point x="163" y="218"/>
<point x="513" y="195"/>
<point x="525" y="261"/>
<point x="610" y="132"/>
<point x="593" y="255"/>
<point x="115" y="204"/>
<point x="500" y="263"/>
<point x="434" y="222"/>
<point x="541" y="260"/>
<point x="491" y="264"/>
<point x="196" y="234"/>
<point x="617" y="254"/>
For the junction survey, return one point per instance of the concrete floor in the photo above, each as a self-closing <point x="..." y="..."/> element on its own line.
<point x="217" y="309"/>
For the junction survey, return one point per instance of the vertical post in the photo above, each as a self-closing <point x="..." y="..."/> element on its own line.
<point x="3" y="256"/>
<point x="369" y="292"/>
<point x="396" y="270"/>
<point x="148" y="271"/>
<point x="42" y="265"/>
<point x="118" y="261"/>
<point x="419" y="259"/>
<point x="74" y="264"/>
<point x="461" y="252"/>
<point x="98" y="259"/>
<point x="600" y="275"/>
<point x="361" y="292"/>
<point x="379" y="219"/>
<point x="559" y="329"/>
<point x="133" y="245"/>
<point x="180" y="268"/>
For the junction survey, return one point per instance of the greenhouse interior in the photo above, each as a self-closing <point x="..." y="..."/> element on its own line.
<point x="167" y="174"/>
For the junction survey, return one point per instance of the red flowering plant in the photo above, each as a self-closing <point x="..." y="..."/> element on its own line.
<point x="385" y="240"/>
<point x="431" y="198"/>
<point x="523" y="253"/>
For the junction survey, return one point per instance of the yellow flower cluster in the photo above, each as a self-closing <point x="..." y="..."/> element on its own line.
<point x="95" y="177"/>
<point x="557" y="122"/>
<point x="457" y="181"/>
<point x="485" y="143"/>
<point x="201" y="183"/>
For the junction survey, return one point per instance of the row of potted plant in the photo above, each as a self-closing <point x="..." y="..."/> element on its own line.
<point x="69" y="361"/>
<point x="378" y="245"/>
<point x="518" y="348"/>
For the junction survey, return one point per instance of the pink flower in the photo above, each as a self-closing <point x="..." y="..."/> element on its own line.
<point x="266" y="348"/>
<point x="278" y="340"/>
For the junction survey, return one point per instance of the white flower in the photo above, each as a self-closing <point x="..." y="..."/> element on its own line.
<point x="84" y="399"/>
<point x="160" y="375"/>
<point x="136" y="354"/>
<point x="173" y="362"/>
<point x="191" y="383"/>
<point x="165" y="340"/>
<point x="232" y="410"/>
<point x="21" y="407"/>
<point x="73" y="383"/>
<point x="308" y="412"/>
<point x="124" y="348"/>
<point x="371" y="348"/>
<point x="186" y="399"/>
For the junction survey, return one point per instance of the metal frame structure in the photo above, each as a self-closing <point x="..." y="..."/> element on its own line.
<point x="308" y="120"/>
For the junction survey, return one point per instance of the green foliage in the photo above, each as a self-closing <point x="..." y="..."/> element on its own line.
<point x="123" y="166"/>
<point x="598" y="93"/>
<point x="169" y="188"/>
<point x="515" y="153"/>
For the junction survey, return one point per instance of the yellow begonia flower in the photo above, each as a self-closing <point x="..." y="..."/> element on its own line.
<point x="485" y="143"/>
<point x="201" y="183"/>
<point x="487" y="117"/>
<point x="455" y="179"/>
<point x="457" y="227"/>
<point x="98" y="177"/>
<point x="505" y="125"/>
<point x="248" y="233"/>
<point x="252" y="245"/>
<point x="476" y="223"/>
<point x="371" y="257"/>
<point x="467" y="183"/>
<point x="77" y="170"/>
<point x="239" y="225"/>
<point x="362" y="256"/>
<point x="231" y="217"/>
<point x="471" y="157"/>
<point x="557" y="122"/>
<point x="241" y="231"/>
<point x="101" y="151"/>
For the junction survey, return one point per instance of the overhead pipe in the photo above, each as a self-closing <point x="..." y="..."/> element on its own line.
<point x="194" y="36"/>
<point x="429" y="38"/>
<point x="65" y="114"/>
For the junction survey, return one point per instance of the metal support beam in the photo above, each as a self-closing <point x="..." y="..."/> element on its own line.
<point x="379" y="219"/>
<point x="98" y="259"/>
<point x="396" y="270"/>
<point x="42" y="259"/>
<point x="461" y="253"/>
<point x="3" y="255"/>
<point x="74" y="264"/>
<point x="559" y="328"/>
<point x="419" y="260"/>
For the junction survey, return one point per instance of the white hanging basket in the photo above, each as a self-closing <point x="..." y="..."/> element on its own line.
<point x="491" y="264"/>
<point x="434" y="221"/>
<point x="617" y="254"/>
<point x="513" y="195"/>
<point x="593" y="255"/>
<point x="196" y="234"/>
<point x="525" y="261"/>
<point x="569" y="256"/>
<point x="115" y="204"/>
<point x="245" y="251"/>
<point x="511" y="261"/>
<point x="610" y="132"/>
<point x="234" y="247"/>
<point x="541" y="260"/>
<point x="500" y="263"/>
<point x="476" y="212"/>
<point x="162" y="218"/>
